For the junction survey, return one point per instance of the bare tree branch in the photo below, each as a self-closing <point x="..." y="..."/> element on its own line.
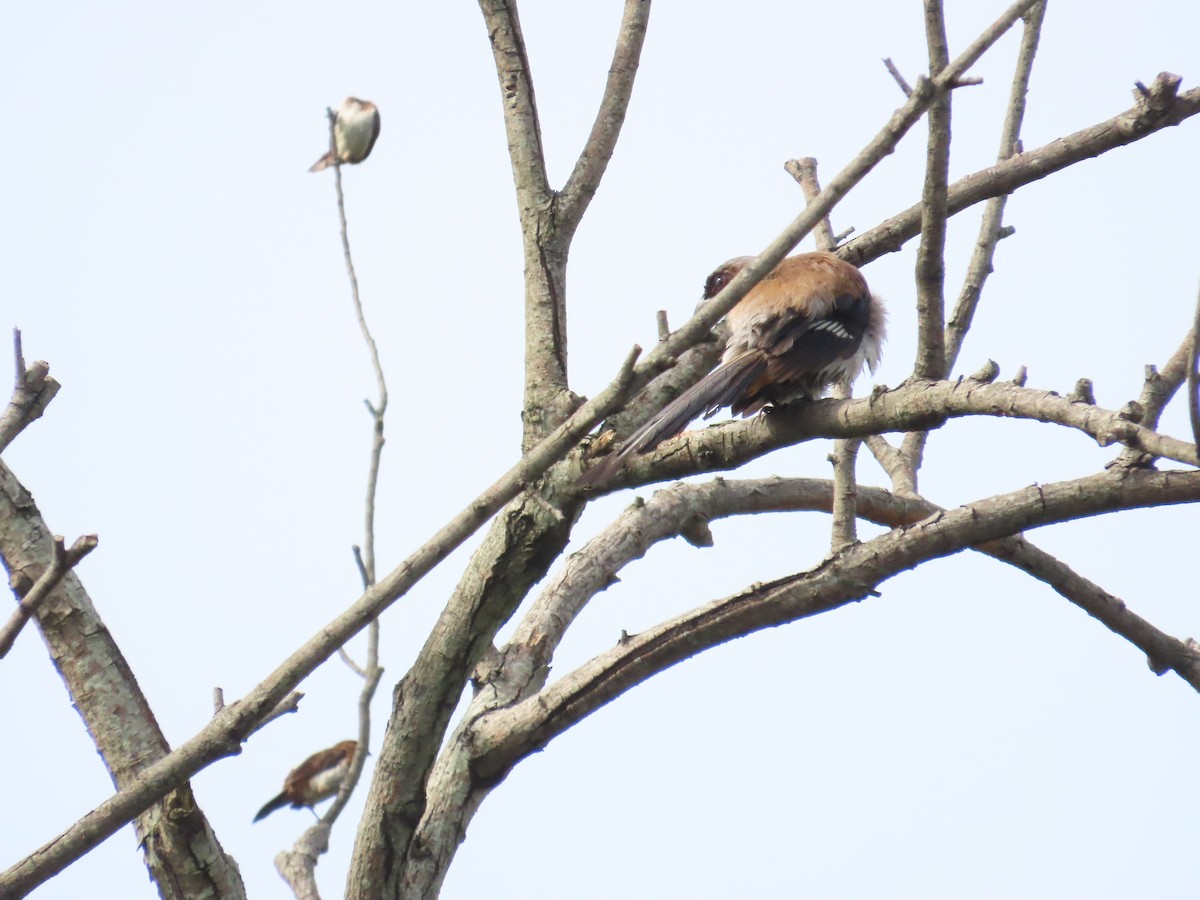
<point x="895" y="73"/>
<point x="1134" y="124"/>
<point x="32" y="392"/>
<point x="914" y="406"/>
<point x="991" y="227"/>
<point x="931" y="262"/>
<point x="505" y="736"/>
<point x="63" y="561"/>
<point x="298" y="866"/>
<point x="805" y="172"/>
<point x="1193" y="379"/>
<point x="844" y="525"/>
<point x="547" y="400"/>
<point x="1157" y="391"/>
<point x="581" y="185"/>
<point x="181" y="850"/>
<point x="428" y="692"/>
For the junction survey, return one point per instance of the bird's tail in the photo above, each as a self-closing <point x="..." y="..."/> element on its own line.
<point x="324" y="162"/>
<point x="272" y="805"/>
<point x="720" y="387"/>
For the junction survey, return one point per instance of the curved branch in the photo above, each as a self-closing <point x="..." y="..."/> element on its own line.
<point x="507" y="735"/>
<point x="915" y="406"/>
<point x="674" y="510"/>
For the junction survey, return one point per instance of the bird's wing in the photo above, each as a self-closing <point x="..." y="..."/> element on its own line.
<point x="798" y="345"/>
<point x="318" y="762"/>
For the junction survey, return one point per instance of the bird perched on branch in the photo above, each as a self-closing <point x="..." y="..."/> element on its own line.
<point x="810" y="323"/>
<point x="354" y="133"/>
<point x="317" y="778"/>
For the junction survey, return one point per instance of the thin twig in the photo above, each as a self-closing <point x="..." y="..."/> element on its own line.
<point x="664" y="326"/>
<point x="63" y="561"/>
<point x="1127" y="127"/>
<point x="805" y="172"/>
<point x="298" y="865"/>
<point x="991" y="228"/>
<point x="904" y="85"/>
<point x="289" y="704"/>
<point x="844" y="524"/>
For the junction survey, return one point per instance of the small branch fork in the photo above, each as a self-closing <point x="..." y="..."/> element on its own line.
<point x="32" y="596"/>
<point x="33" y="390"/>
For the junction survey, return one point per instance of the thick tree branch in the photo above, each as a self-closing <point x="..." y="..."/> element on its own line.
<point x="931" y="262"/>
<point x="428" y="693"/>
<point x="504" y="737"/>
<point x="672" y="511"/>
<point x="914" y="406"/>
<point x="547" y="401"/>
<point x="181" y="850"/>
<point x="461" y="781"/>
<point x="63" y="561"/>
<point x="224" y="733"/>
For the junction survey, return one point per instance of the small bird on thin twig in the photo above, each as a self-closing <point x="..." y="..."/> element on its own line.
<point x="317" y="778"/>
<point x="354" y="134"/>
<point x="809" y="324"/>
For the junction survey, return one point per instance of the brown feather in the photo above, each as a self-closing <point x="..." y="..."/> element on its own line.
<point x="809" y="323"/>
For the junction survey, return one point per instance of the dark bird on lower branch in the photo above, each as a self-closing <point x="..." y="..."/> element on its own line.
<point x="317" y="778"/>
<point x="354" y="134"/>
<point x="809" y="324"/>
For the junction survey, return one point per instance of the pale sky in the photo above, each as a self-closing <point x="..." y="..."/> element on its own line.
<point x="967" y="734"/>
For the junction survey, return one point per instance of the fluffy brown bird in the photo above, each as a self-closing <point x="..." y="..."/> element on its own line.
<point x="354" y="133"/>
<point x="317" y="778"/>
<point x="810" y="323"/>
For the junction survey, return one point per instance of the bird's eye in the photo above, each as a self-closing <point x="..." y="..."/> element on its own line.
<point x="716" y="281"/>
